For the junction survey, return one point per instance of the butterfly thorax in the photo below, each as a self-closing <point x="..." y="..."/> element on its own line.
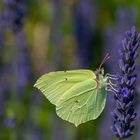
<point x="101" y="79"/>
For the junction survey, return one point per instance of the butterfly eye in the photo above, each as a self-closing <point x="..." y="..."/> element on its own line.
<point x="101" y="71"/>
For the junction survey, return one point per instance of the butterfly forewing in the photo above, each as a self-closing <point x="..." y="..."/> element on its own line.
<point x="55" y="84"/>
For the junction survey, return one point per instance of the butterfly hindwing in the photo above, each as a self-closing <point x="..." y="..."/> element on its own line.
<point x="83" y="103"/>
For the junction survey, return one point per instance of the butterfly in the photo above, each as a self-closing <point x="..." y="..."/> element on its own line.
<point x="79" y="95"/>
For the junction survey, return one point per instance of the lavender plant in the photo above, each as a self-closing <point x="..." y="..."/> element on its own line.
<point x="13" y="18"/>
<point x="15" y="13"/>
<point x="83" y="15"/>
<point x="124" y="113"/>
<point x="23" y="63"/>
<point x="125" y="17"/>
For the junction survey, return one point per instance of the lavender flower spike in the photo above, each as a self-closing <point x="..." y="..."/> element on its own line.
<point x="124" y="113"/>
<point x="14" y="13"/>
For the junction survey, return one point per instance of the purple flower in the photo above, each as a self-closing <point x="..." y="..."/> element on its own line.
<point x="23" y="64"/>
<point x="13" y="16"/>
<point x="83" y="13"/>
<point x="125" y="18"/>
<point x="10" y="122"/>
<point x="15" y="13"/>
<point x="124" y="113"/>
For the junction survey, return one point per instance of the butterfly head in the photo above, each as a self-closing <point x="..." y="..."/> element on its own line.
<point x="100" y="70"/>
<point x="102" y="80"/>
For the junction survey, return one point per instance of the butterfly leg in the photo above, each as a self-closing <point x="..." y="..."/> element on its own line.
<point x="115" y="85"/>
<point x="108" y="89"/>
<point x="109" y="86"/>
<point x="111" y="76"/>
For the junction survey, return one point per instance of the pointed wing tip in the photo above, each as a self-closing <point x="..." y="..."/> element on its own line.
<point x="76" y="125"/>
<point x="35" y="85"/>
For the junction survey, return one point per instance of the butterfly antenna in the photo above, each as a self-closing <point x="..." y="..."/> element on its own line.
<point x="107" y="56"/>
